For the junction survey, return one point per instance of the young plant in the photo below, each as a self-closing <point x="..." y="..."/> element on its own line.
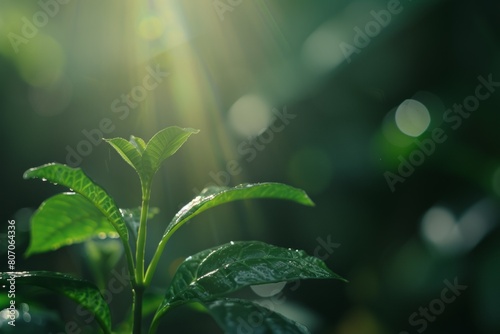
<point x="204" y="278"/>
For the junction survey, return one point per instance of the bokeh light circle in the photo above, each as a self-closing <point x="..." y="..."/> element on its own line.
<point x="412" y="118"/>
<point x="250" y="115"/>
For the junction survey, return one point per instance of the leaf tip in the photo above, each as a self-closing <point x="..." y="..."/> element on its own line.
<point x="27" y="174"/>
<point x="191" y="130"/>
<point x="40" y="171"/>
<point x="28" y="252"/>
<point x="30" y="173"/>
<point x="308" y="201"/>
<point x="305" y="199"/>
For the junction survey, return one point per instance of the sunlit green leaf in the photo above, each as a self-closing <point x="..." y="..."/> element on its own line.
<point x="81" y="291"/>
<point x="236" y="316"/>
<point x="163" y="145"/>
<point x="215" y="196"/>
<point x="75" y="179"/>
<point x="227" y="268"/>
<point x="138" y="143"/>
<point x="147" y="158"/>
<point x="128" y="152"/>
<point x="66" y="219"/>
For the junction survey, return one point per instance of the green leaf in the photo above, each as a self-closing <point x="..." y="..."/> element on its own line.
<point x="237" y="316"/>
<point x="163" y="144"/>
<point x="214" y="196"/>
<point x="138" y="143"/>
<point x="66" y="219"/>
<point x="128" y="151"/>
<point x="146" y="159"/>
<point x="75" y="179"/>
<point x="81" y="291"/>
<point x="227" y="268"/>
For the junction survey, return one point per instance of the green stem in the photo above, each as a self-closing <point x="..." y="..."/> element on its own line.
<point x="159" y="251"/>
<point x="155" y="322"/>
<point x="141" y="236"/>
<point x="139" y="286"/>
<point x="138" y="294"/>
<point x="130" y="261"/>
<point x="156" y="257"/>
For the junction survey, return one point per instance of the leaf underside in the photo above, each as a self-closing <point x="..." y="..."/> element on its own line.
<point x="236" y="316"/>
<point x="65" y="219"/>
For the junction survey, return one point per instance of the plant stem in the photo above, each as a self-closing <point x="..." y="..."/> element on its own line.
<point x="156" y="258"/>
<point x="139" y="286"/>
<point x="155" y="322"/>
<point x="138" y="293"/>
<point x="130" y="262"/>
<point x="141" y="236"/>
